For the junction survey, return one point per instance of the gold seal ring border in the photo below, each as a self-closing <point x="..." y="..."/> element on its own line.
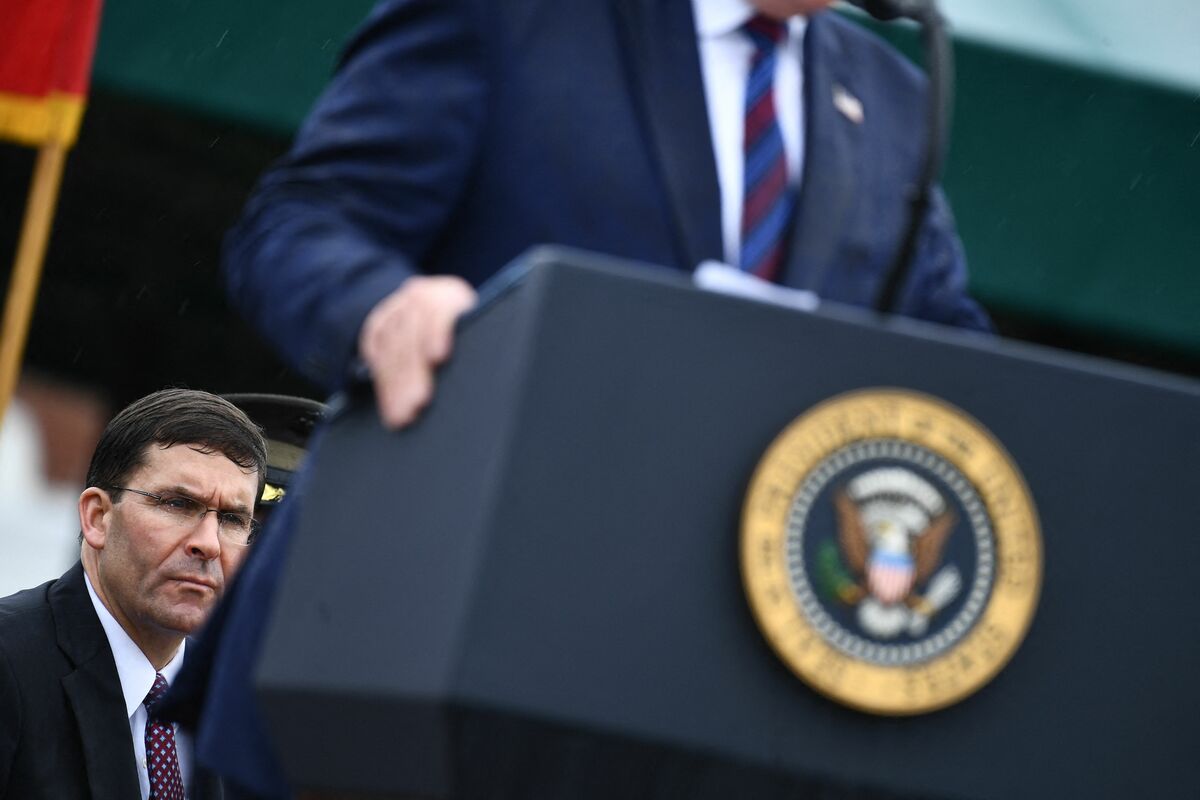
<point x="971" y="448"/>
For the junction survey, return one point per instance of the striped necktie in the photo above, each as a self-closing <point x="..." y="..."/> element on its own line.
<point x="766" y="197"/>
<point x="162" y="762"/>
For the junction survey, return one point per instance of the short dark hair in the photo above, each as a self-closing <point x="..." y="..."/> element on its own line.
<point x="170" y="417"/>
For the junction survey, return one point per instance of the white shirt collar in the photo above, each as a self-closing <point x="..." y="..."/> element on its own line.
<point x="133" y="668"/>
<point x="721" y="17"/>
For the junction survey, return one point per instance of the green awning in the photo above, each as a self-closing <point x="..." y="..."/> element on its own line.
<point x="1075" y="161"/>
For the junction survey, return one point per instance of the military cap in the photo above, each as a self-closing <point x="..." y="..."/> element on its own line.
<point x="287" y="423"/>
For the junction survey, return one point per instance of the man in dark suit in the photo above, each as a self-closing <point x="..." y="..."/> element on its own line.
<point x="458" y="133"/>
<point x="85" y="658"/>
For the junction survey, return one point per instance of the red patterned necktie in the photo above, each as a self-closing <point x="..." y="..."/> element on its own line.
<point x="162" y="763"/>
<point x="766" y="198"/>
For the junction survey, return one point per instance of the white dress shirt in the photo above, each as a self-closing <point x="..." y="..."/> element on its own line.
<point x="725" y="54"/>
<point x="137" y="677"/>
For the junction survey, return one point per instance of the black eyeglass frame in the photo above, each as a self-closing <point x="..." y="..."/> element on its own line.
<point x="255" y="527"/>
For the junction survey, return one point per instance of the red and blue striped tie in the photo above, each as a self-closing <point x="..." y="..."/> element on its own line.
<point x="766" y="198"/>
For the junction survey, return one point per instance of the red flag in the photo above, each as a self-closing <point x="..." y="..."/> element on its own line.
<point x="46" y="51"/>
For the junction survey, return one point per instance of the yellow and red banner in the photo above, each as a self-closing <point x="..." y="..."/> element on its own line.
<point x="46" y="49"/>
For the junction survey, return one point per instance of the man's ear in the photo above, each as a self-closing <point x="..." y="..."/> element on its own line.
<point x="95" y="515"/>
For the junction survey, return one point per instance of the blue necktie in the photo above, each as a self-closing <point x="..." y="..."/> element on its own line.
<point x="766" y="197"/>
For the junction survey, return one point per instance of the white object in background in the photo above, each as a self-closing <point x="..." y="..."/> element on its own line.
<point x="724" y="279"/>
<point x="39" y="522"/>
<point x="1154" y="41"/>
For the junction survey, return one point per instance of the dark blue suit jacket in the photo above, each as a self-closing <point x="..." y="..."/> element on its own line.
<point x="458" y="133"/>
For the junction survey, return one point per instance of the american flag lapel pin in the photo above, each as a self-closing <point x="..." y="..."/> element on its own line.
<point x="850" y="106"/>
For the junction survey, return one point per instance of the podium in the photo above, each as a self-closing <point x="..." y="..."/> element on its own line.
<point x="536" y="591"/>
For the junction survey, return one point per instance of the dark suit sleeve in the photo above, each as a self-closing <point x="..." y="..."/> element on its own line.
<point x="10" y="720"/>
<point x="936" y="288"/>
<point x="360" y="202"/>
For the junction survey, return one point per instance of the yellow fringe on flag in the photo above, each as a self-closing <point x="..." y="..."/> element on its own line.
<point x="37" y="120"/>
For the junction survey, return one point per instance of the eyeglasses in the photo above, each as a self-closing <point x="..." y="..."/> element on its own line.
<point x="238" y="528"/>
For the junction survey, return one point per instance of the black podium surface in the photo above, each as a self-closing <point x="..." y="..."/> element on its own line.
<point x="535" y="592"/>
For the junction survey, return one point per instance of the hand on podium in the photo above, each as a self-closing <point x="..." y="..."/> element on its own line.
<point x="407" y="335"/>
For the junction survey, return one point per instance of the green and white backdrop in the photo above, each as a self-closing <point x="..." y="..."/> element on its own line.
<point x="1074" y="171"/>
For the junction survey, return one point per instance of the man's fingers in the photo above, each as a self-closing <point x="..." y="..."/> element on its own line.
<point x="457" y="298"/>
<point x="406" y="336"/>
<point x="402" y="375"/>
<point x="401" y="395"/>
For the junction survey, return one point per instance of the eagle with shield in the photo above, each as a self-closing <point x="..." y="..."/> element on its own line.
<point x="892" y="530"/>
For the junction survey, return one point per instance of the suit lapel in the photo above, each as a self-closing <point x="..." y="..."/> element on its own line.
<point x="659" y="40"/>
<point x="831" y="148"/>
<point x="94" y="691"/>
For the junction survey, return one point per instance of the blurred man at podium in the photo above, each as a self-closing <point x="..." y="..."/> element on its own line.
<point x="455" y="135"/>
<point x="770" y="134"/>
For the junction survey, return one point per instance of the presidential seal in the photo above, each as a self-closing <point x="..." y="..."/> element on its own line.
<point x="890" y="551"/>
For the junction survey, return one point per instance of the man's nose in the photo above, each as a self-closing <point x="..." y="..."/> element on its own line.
<point x="205" y="539"/>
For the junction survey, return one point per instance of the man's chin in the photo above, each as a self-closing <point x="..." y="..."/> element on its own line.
<point x="187" y="614"/>
<point x="185" y="622"/>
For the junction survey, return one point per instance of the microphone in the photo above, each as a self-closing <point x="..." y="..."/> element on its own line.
<point x="940" y="65"/>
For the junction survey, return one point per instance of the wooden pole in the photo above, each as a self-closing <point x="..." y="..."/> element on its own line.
<point x="27" y="270"/>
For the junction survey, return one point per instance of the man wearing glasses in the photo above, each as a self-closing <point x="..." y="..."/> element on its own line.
<point x="165" y="521"/>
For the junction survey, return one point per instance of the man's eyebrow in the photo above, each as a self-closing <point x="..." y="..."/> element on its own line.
<point x="238" y="508"/>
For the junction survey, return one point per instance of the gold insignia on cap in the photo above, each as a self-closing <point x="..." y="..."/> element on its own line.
<point x="271" y="493"/>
